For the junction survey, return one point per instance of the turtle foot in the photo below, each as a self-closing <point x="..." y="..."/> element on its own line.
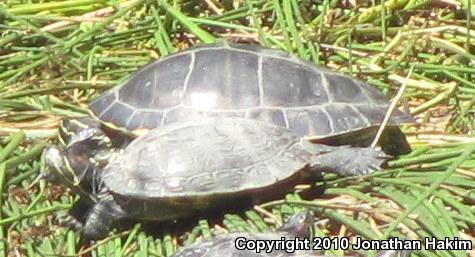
<point x="88" y="231"/>
<point x="101" y="216"/>
<point x="71" y="222"/>
<point x="366" y="160"/>
<point x="350" y="161"/>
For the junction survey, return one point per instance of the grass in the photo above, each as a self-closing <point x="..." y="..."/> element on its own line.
<point x="55" y="56"/>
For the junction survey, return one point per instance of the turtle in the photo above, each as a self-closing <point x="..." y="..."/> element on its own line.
<point x="298" y="226"/>
<point x="196" y="167"/>
<point x="295" y="229"/>
<point x="227" y="79"/>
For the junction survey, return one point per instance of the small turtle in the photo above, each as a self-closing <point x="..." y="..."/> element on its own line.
<point x="203" y="165"/>
<point x="237" y="80"/>
<point x="296" y="228"/>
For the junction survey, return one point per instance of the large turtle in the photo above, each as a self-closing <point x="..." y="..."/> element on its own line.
<point x="237" y="80"/>
<point x="194" y="167"/>
<point x="296" y="229"/>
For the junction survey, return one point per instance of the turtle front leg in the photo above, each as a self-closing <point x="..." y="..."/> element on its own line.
<point x="101" y="216"/>
<point x="77" y="214"/>
<point x="346" y="160"/>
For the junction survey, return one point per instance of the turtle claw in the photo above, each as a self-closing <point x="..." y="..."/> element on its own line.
<point x="367" y="161"/>
<point x="374" y="168"/>
<point x="383" y="155"/>
<point x="71" y="222"/>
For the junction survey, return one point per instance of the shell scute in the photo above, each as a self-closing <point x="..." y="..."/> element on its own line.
<point x="203" y="182"/>
<point x="117" y="109"/>
<point x="273" y="116"/>
<point x="231" y="180"/>
<point x="223" y="79"/>
<point x="374" y="115"/>
<point x="187" y="114"/>
<point x="103" y="103"/>
<point x="286" y="83"/>
<point x="345" y="118"/>
<point x="149" y="119"/>
<point x="310" y="121"/>
<point x="154" y="86"/>
<point x="343" y="89"/>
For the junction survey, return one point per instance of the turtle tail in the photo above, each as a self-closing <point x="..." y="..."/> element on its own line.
<point x="394" y="142"/>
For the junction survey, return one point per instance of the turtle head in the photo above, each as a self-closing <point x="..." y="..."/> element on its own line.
<point x="75" y="174"/>
<point x="299" y="224"/>
<point x="58" y="167"/>
<point x="84" y="149"/>
<point x="64" y="167"/>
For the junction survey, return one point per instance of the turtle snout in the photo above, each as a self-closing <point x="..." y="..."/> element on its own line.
<point x="299" y="224"/>
<point x="57" y="168"/>
<point x="303" y="221"/>
<point x="54" y="157"/>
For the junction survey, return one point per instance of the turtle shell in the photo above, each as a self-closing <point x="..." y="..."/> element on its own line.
<point x="235" y="80"/>
<point x="239" y="155"/>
